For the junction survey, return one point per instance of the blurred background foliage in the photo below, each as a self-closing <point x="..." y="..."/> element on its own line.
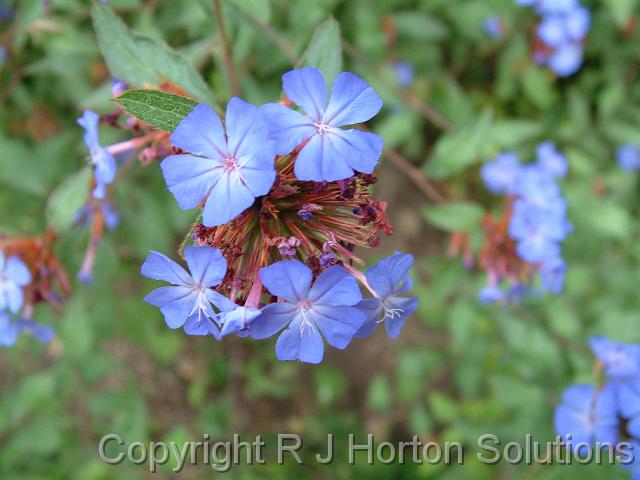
<point x="459" y="369"/>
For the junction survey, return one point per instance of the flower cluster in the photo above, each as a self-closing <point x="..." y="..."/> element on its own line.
<point x="628" y="156"/>
<point x="560" y="34"/>
<point x="98" y="213"/>
<point x="528" y="239"/>
<point x="285" y="199"/>
<point x="609" y="412"/>
<point x="28" y="271"/>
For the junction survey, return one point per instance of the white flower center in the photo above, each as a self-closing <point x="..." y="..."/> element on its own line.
<point x="391" y="311"/>
<point x="322" y="128"/>
<point x="200" y="305"/>
<point x="230" y="164"/>
<point x="305" y="324"/>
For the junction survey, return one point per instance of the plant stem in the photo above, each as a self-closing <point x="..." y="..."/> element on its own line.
<point x="228" y="53"/>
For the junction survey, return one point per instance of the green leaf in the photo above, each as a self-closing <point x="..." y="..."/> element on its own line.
<point x="538" y="87"/>
<point x="160" y="109"/>
<point x="510" y="133"/>
<point x="174" y="67"/>
<point x="141" y="60"/>
<point x="119" y="48"/>
<point x="455" y="217"/>
<point x="67" y="198"/>
<point x="325" y="50"/>
<point x="420" y="26"/>
<point x="460" y="149"/>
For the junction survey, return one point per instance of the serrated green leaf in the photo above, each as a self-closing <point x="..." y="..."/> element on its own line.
<point x="161" y="109"/>
<point x="119" y="48"/>
<point x="460" y="149"/>
<point x="325" y="50"/>
<point x="67" y="198"/>
<point x="455" y="217"/>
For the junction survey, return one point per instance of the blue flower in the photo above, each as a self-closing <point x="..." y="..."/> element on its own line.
<point x="566" y="59"/>
<point x="239" y="321"/>
<point x="552" y="274"/>
<point x="552" y="31"/>
<point x="229" y="171"/>
<point x="188" y="303"/>
<point x="388" y="278"/>
<point x="620" y="360"/>
<point x="500" y="176"/>
<point x="42" y="333"/>
<point x="86" y="215"/>
<point x="329" y="152"/>
<point x="551" y="160"/>
<point x="310" y="312"/>
<point x="14" y="276"/>
<point x="9" y="331"/>
<point x="493" y="27"/>
<point x="629" y="402"/>
<point x="537" y="232"/>
<point x="577" y="22"/>
<point x="103" y="162"/>
<point x="550" y="7"/>
<point x="404" y="73"/>
<point x="587" y="415"/>
<point x="628" y="156"/>
<point x="491" y="294"/>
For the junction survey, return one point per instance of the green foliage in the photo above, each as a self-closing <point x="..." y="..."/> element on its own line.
<point x="325" y="51"/>
<point x="160" y="109"/>
<point x="458" y="370"/>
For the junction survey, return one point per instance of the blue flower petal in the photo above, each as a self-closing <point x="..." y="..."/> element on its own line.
<point x="175" y="303"/>
<point x="337" y="324"/>
<point x="352" y="101"/>
<point x="201" y="133"/>
<point x="390" y="275"/>
<point x="304" y="345"/>
<point x="394" y="323"/>
<point x="633" y="427"/>
<point x="105" y="166"/>
<point x="8" y="331"/>
<point x="239" y="321"/>
<point x="628" y="398"/>
<point x="306" y="88"/>
<point x="246" y="129"/>
<point x="16" y="271"/>
<point x="190" y="178"/>
<point x="258" y="181"/>
<point x="221" y="302"/>
<point x="287" y="128"/>
<point x="207" y="265"/>
<point x="199" y="324"/>
<point x="11" y="297"/>
<point x="320" y="161"/>
<point x="361" y="150"/>
<point x="335" y="286"/>
<point x="161" y="267"/>
<point x="273" y="318"/>
<point x="372" y="308"/>
<point x="287" y="279"/>
<point x="228" y="198"/>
